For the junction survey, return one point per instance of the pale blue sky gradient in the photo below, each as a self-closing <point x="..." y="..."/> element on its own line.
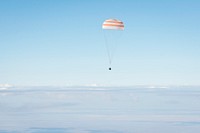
<point x="60" y="42"/>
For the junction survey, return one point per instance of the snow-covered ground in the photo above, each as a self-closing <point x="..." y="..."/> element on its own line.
<point x="93" y="109"/>
<point x="5" y="86"/>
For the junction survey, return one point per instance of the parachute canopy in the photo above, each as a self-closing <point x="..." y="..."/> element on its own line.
<point x="113" y="24"/>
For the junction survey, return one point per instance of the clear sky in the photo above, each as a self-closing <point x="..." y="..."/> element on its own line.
<point x="61" y="42"/>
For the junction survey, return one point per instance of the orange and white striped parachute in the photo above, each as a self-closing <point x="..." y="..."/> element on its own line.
<point x="113" y="24"/>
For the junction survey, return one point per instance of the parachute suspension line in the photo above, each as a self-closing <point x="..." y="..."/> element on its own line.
<point x="107" y="49"/>
<point x="115" y="45"/>
<point x="111" y="47"/>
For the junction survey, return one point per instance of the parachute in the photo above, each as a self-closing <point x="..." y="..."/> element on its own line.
<point x="112" y="32"/>
<point x="113" y="24"/>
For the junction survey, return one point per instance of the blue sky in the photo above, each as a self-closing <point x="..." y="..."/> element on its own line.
<point x="60" y="42"/>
